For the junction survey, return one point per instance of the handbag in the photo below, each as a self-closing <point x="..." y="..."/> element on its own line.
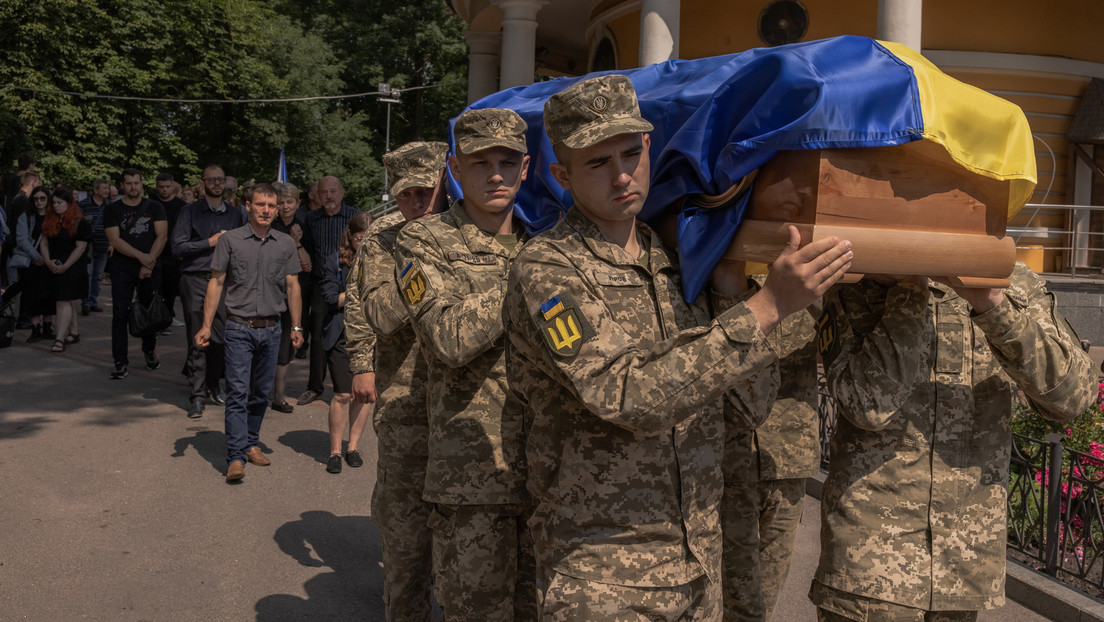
<point x="146" y="320"/>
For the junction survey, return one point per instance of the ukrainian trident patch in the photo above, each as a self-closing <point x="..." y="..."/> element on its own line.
<point x="413" y="283"/>
<point x="827" y="336"/>
<point x="563" y="328"/>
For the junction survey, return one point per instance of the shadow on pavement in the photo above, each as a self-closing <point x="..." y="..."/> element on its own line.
<point x="313" y="443"/>
<point x="209" y="444"/>
<point x="350" y="547"/>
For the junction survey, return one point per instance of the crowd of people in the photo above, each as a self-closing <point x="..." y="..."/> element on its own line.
<point x="561" y="435"/>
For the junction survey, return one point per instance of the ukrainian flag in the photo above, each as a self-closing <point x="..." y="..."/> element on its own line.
<point x="718" y="119"/>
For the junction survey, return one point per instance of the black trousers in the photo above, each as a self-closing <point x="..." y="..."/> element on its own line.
<point x="203" y="367"/>
<point x="124" y="282"/>
<point x="170" y="285"/>
<point x="317" y="350"/>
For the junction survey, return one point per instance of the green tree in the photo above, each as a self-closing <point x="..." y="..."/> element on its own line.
<point x="178" y="49"/>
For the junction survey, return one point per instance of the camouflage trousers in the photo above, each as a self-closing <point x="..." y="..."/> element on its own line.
<point x="568" y="598"/>
<point x="838" y="606"/>
<point x="402" y="518"/>
<point x="484" y="569"/>
<point x="759" y="521"/>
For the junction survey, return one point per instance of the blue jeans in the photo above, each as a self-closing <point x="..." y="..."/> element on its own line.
<point x="95" y="274"/>
<point x="250" y="372"/>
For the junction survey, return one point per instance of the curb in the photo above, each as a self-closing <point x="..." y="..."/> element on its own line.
<point x="1041" y="593"/>
<point x="1049" y="597"/>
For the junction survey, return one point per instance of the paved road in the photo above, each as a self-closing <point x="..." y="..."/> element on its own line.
<point x="113" y="503"/>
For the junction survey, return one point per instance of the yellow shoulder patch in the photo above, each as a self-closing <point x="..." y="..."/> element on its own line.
<point x="413" y="283"/>
<point x="562" y="327"/>
<point x="827" y="338"/>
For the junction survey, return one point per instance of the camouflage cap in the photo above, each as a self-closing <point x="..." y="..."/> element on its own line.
<point x="477" y="130"/>
<point x="593" y="110"/>
<point x="415" y="165"/>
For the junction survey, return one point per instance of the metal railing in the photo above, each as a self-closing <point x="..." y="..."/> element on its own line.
<point x="1057" y="521"/>
<point x="1076" y="237"/>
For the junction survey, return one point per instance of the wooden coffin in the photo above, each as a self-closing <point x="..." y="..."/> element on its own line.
<point x="906" y="209"/>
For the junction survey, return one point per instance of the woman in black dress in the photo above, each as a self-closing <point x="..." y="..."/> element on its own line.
<point x="35" y="302"/>
<point x="65" y="237"/>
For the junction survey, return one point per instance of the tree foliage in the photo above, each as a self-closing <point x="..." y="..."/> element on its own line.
<point x="224" y="50"/>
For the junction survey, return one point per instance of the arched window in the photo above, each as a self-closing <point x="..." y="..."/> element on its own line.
<point x="605" y="55"/>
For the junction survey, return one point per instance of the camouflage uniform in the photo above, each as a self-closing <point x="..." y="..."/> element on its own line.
<point x="915" y="501"/>
<point x="623" y="384"/>
<point x="381" y="340"/>
<point x="765" y="471"/>
<point x="451" y="277"/>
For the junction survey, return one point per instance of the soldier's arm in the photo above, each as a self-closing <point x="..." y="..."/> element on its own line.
<point x="870" y="338"/>
<point x="1038" y="349"/>
<point x="455" y="328"/>
<point x="382" y="306"/>
<point x="360" y="337"/>
<point x="641" y="386"/>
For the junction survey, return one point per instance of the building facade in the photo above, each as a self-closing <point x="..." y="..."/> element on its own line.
<point x="1041" y="56"/>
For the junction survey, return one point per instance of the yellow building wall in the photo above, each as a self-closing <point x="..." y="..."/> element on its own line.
<point x="1065" y="28"/>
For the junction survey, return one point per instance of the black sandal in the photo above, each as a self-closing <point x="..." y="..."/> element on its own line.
<point x="72" y="338"/>
<point x="59" y="346"/>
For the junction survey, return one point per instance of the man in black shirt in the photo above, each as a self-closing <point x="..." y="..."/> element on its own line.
<point x="137" y="231"/>
<point x="170" y="265"/>
<point x="198" y="229"/>
<point x="323" y="230"/>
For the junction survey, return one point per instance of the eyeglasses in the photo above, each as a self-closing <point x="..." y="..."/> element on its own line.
<point x="215" y="180"/>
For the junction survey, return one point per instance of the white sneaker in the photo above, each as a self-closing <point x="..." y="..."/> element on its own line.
<point x="177" y="323"/>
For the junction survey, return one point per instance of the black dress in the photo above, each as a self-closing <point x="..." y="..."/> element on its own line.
<point x="37" y="298"/>
<point x="73" y="283"/>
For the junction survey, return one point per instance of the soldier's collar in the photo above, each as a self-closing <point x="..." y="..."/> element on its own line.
<point x="606" y="249"/>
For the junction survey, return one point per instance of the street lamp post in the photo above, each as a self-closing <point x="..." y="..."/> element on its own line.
<point x="388" y="97"/>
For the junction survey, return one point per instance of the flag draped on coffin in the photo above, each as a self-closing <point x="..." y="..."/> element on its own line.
<point x="718" y="119"/>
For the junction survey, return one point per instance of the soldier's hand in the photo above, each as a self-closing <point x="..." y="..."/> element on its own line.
<point x="364" y="387"/>
<point x="798" y="277"/>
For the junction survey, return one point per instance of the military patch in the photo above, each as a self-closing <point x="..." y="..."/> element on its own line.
<point x="413" y="283"/>
<point x="827" y="336"/>
<point x="563" y="328"/>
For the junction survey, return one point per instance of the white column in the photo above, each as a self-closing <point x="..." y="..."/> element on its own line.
<point x="483" y="49"/>
<point x="900" y="21"/>
<point x="659" y="31"/>
<point x="519" y="41"/>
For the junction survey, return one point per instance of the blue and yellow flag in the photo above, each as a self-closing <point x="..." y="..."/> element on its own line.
<point x="718" y="119"/>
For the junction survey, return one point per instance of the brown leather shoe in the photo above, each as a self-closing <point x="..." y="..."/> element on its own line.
<point x="256" y="457"/>
<point x="236" y="471"/>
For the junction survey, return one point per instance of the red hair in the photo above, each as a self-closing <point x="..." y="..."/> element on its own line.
<point x="53" y="223"/>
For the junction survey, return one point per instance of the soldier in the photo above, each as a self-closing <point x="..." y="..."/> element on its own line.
<point x="452" y="277"/>
<point x="387" y="361"/>
<point x="765" y="469"/>
<point x="623" y="382"/>
<point x="914" y="506"/>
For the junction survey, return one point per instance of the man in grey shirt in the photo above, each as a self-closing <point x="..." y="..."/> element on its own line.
<point x="258" y="267"/>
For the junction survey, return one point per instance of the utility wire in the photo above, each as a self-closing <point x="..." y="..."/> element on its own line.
<point x="225" y="101"/>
